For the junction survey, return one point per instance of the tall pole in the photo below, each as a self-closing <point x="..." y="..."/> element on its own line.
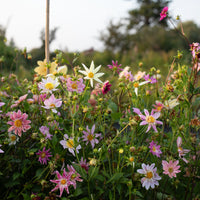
<point x="47" y="34"/>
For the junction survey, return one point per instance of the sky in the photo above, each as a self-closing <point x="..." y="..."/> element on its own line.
<point x="79" y="22"/>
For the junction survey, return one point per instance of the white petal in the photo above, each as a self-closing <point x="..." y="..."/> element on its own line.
<point x="97" y="69"/>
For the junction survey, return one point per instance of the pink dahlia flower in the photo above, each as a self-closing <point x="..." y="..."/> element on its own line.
<point x="52" y="103"/>
<point x="181" y="151"/>
<point x="163" y="14"/>
<point x="19" y="122"/>
<point x="44" y="156"/>
<point x="115" y="66"/>
<point x="76" y="85"/>
<point x="106" y="87"/>
<point x="148" y="119"/>
<point x="155" y="149"/>
<point x="171" y="168"/>
<point x="63" y="182"/>
<point x="90" y="136"/>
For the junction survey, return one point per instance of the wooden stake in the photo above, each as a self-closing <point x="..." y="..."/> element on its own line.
<point x="47" y="34"/>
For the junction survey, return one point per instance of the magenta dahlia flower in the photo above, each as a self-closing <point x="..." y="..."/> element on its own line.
<point x="44" y="156"/>
<point x="163" y="13"/>
<point x="106" y="87"/>
<point x="115" y="66"/>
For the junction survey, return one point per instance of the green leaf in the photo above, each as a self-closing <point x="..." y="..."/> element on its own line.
<point x="54" y="140"/>
<point x="116" y="116"/>
<point x="197" y="90"/>
<point x="16" y="175"/>
<point x="113" y="106"/>
<point x="115" y="177"/>
<point x="92" y="172"/>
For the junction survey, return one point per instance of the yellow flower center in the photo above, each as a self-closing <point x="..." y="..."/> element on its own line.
<point x="90" y="137"/>
<point x="149" y="175"/>
<point x="131" y="159"/>
<point x="90" y="74"/>
<point x="18" y="123"/>
<point x="49" y="86"/>
<point x="136" y="85"/>
<point x="159" y="108"/>
<point x="170" y="170"/>
<point x="150" y="119"/>
<point x="13" y="138"/>
<point x="63" y="181"/>
<point x="180" y="148"/>
<point x="70" y="143"/>
<point x="52" y="105"/>
<point x="43" y="155"/>
<point x="154" y="149"/>
<point x="74" y="86"/>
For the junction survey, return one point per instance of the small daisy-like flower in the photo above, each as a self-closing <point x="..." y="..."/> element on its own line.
<point x="181" y="151"/>
<point x="170" y="104"/>
<point x="151" y="177"/>
<point x="126" y="74"/>
<point x="139" y="75"/>
<point x="115" y="66"/>
<point x="90" y="136"/>
<point x="158" y="106"/>
<point x="150" y="79"/>
<point x="171" y="168"/>
<point x="63" y="182"/>
<point x="84" y="164"/>
<point x="45" y="131"/>
<point x="68" y="143"/>
<point x="44" y="156"/>
<point x="1" y="151"/>
<point x="19" y="122"/>
<point x="48" y="85"/>
<point x="106" y="87"/>
<point x="137" y="84"/>
<point x="76" y="85"/>
<point x="1" y="104"/>
<point x="91" y="73"/>
<point x="155" y="149"/>
<point x="75" y="176"/>
<point x="163" y="14"/>
<point x="149" y="119"/>
<point x="12" y="139"/>
<point x="52" y="103"/>
<point x="42" y="68"/>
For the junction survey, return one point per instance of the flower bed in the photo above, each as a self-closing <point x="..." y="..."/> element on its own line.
<point x="72" y="136"/>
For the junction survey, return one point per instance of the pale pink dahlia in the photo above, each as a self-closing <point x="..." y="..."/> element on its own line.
<point x="148" y="119"/>
<point x="90" y="136"/>
<point x="52" y="103"/>
<point x="151" y="177"/>
<point x="181" y="151"/>
<point x="19" y="122"/>
<point x="171" y="168"/>
<point x="76" y="85"/>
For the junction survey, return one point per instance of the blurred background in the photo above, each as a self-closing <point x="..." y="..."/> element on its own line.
<point x="129" y="31"/>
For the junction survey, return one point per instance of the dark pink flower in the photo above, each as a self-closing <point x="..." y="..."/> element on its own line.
<point x="163" y="14"/>
<point x="106" y="87"/>
<point x="74" y="176"/>
<point x="171" y="168"/>
<point x="63" y="182"/>
<point x="150" y="79"/>
<point x="155" y="149"/>
<point x="158" y="106"/>
<point x="115" y="66"/>
<point x="19" y="122"/>
<point x="43" y="156"/>
<point x="84" y="164"/>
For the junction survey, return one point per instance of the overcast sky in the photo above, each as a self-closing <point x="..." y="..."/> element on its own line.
<point x="79" y="21"/>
